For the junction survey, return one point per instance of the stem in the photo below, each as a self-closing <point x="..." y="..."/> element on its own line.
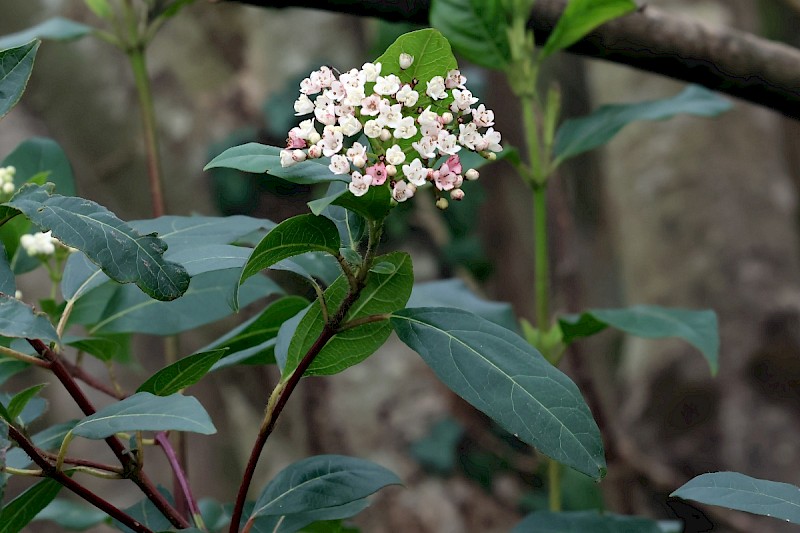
<point x="136" y="56"/>
<point x="179" y="473"/>
<point x="532" y="141"/>
<point x="19" y="356"/>
<point x="541" y="259"/>
<point x="554" y="485"/>
<point x="361" y="321"/>
<point x="50" y="471"/>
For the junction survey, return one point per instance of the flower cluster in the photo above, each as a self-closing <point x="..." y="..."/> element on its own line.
<point x="408" y="144"/>
<point x="38" y="244"/>
<point x="7" y="187"/>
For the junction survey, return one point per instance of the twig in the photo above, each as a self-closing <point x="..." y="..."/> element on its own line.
<point x="180" y="475"/>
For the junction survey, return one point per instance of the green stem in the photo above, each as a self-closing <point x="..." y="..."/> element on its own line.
<point x="541" y="259"/>
<point x="532" y="141"/>
<point x="554" y="485"/>
<point x="136" y="56"/>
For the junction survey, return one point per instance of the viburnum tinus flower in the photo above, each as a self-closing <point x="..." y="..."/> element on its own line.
<point x="372" y="127"/>
<point x="7" y="180"/>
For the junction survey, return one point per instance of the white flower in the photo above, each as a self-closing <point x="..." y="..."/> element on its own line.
<point x="357" y="150"/>
<point x="339" y="164"/>
<point x="462" y="100"/>
<point x="331" y="141"/>
<point x="350" y="125"/>
<point x="359" y="184"/>
<point x="353" y="79"/>
<point x="455" y="79"/>
<point x="372" y="129"/>
<point x="387" y="85"/>
<point x="286" y="158"/>
<point x="315" y="152"/>
<point x="390" y="115"/>
<point x="305" y="129"/>
<point x="18" y="294"/>
<point x="492" y="140"/>
<point x="447" y="143"/>
<point x="415" y="172"/>
<point x="436" y="88"/>
<point x="406" y="60"/>
<point x="482" y="117"/>
<point x="324" y="76"/>
<point x="371" y="71"/>
<point x="371" y="105"/>
<point x="432" y="129"/>
<point x="310" y="86"/>
<point x="355" y="95"/>
<point x="337" y="91"/>
<point x="385" y="135"/>
<point x="344" y="110"/>
<point x="8" y="187"/>
<point x="407" y="96"/>
<point x="38" y="244"/>
<point x="406" y="129"/>
<point x="395" y="155"/>
<point x="402" y="191"/>
<point x="303" y="105"/>
<point x="468" y="135"/>
<point x="428" y="117"/>
<point x="426" y="147"/>
<point x="326" y="114"/>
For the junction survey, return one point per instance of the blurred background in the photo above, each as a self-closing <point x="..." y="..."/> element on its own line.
<point x="691" y="213"/>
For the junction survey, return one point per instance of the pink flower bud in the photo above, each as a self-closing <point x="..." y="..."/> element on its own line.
<point x="315" y="152"/>
<point x="457" y="195"/>
<point x="454" y="164"/>
<point x="472" y="174"/>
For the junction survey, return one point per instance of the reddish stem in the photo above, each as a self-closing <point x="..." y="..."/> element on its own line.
<point x="178" y="472"/>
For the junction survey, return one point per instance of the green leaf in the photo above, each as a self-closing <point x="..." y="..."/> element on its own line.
<point x="383" y="293"/>
<point x="320" y="482"/>
<point x="48" y="439"/>
<point x="72" y="516"/>
<point x="300" y="521"/>
<point x="744" y="493"/>
<point x="21" y="510"/>
<point x="145" y="512"/>
<point x="122" y="253"/>
<point x="8" y="284"/>
<point x="260" y="158"/>
<point x="293" y="236"/>
<point x="698" y="328"/>
<point x="100" y="8"/>
<point x="455" y="293"/>
<point x="351" y="225"/>
<point x="20" y="400"/>
<point x="10" y="367"/>
<point x="18" y="320"/>
<point x="5" y="444"/>
<point x="585" y="521"/>
<point x="55" y="29"/>
<point x="374" y="205"/>
<point x="103" y="348"/>
<point x="15" y="69"/>
<point x="477" y="29"/>
<point x="146" y="412"/>
<point x="501" y="375"/>
<point x="579" y="18"/>
<point x="40" y="155"/>
<point x="579" y="135"/>
<point x="113" y="308"/>
<point x="209" y="257"/>
<point x="438" y="451"/>
<point x="181" y="374"/>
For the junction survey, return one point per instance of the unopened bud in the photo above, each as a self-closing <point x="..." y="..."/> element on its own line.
<point x="314" y="137"/>
<point x="457" y="195"/>
<point x="472" y="174"/>
<point x="391" y="170"/>
<point x="447" y="117"/>
<point x="18" y="294"/>
<point x="298" y="155"/>
<point x="315" y="152"/>
<point x="442" y="203"/>
<point x="8" y="187"/>
<point x="359" y="161"/>
<point x="385" y="135"/>
<point x="406" y="60"/>
<point x="492" y="156"/>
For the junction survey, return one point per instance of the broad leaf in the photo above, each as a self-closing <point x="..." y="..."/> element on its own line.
<point x="103" y="348"/>
<point x="585" y="521"/>
<point x="8" y="285"/>
<point x="145" y="512"/>
<point x="37" y="156"/>
<point x="580" y="17"/>
<point x="320" y="482"/>
<point x="259" y="159"/>
<point x="477" y="29"/>
<point x="744" y="493"/>
<point x="20" y="511"/>
<point x="206" y="258"/>
<point x="351" y="226"/>
<point x="285" y="337"/>
<point x="122" y="253"/>
<point x="48" y="439"/>
<point x="501" y="375"/>
<point x="20" y="400"/>
<point x="181" y="374"/>
<point x="383" y="293"/>
<point x="146" y="412"/>
<point x="10" y="367"/>
<point x="15" y="69"/>
<point x="374" y="205"/>
<point x="5" y="444"/>
<point x="18" y="320"/>
<point x="298" y="521"/>
<point x="698" y="328"/>
<point x="57" y="29"/>
<point x="113" y="308"/>
<point x="455" y="293"/>
<point x="579" y="135"/>
<point x="72" y="516"/>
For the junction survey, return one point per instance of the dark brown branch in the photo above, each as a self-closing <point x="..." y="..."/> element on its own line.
<point x="723" y="59"/>
<point x="51" y="471"/>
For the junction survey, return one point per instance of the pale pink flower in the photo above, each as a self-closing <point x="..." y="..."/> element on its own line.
<point x="303" y="106"/>
<point x="482" y="117"/>
<point x="457" y="194"/>
<point x="331" y="141"/>
<point x="455" y="79"/>
<point x="377" y="173"/>
<point x="402" y="191"/>
<point x="415" y="172"/>
<point x="339" y="164"/>
<point x="359" y="184"/>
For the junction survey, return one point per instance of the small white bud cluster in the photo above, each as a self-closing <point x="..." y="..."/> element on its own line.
<point x="38" y="244"/>
<point x="7" y="187"/>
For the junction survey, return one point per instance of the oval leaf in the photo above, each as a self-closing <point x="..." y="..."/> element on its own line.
<point x="56" y="29"/>
<point x="20" y="511"/>
<point x="15" y="69"/>
<point x="501" y="375"/>
<point x="320" y="482"/>
<point x="744" y="493"/>
<point x="477" y="29"/>
<point x="260" y="158"/>
<point x="18" y="320"/>
<point x="181" y="374"/>
<point x="579" y="135"/>
<point x="582" y="16"/>
<point x="296" y="522"/>
<point x="72" y="516"/>
<point x="698" y="328"/>
<point x="383" y="294"/>
<point x="585" y="521"/>
<point x="122" y="253"/>
<point x="146" y="412"/>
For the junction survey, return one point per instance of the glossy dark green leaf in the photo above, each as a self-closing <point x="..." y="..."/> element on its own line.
<point x="72" y="516"/>
<point x="698" y="328"/>
<point x="40" y="155"/>
<point x="501" y="375"/>
<point x="477" y="29"/>
<point x="744" y="493"/>
<point x="579" y="135"/>
<point x="300" y="521"/>
<point x="179" y="231"/>
<point x="16" y="65"/>
<point x="285" y="337"/>
<point x="374" y="205"/>
<point x="103" y="348"/>
<point x="580" y="17"/>
<point x="20" y="400"/>
<point x="351" y="225"/>
<point x="181" y="374"/>
<point x="383" y="293"/>
<point x="320" y="482"/>
<point x="56" y="29"/>
<point x="146" y="412"/>
<point x="8" y="284"/>
<point x="122" y="253"/>
<point x="113" y="308"/>
<point x="19" y="512"/>
<point x="455" y="293"/>
<point x="584" y="522"/>
<point x="19" y="320"/>
<point x="259" y="159"/>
